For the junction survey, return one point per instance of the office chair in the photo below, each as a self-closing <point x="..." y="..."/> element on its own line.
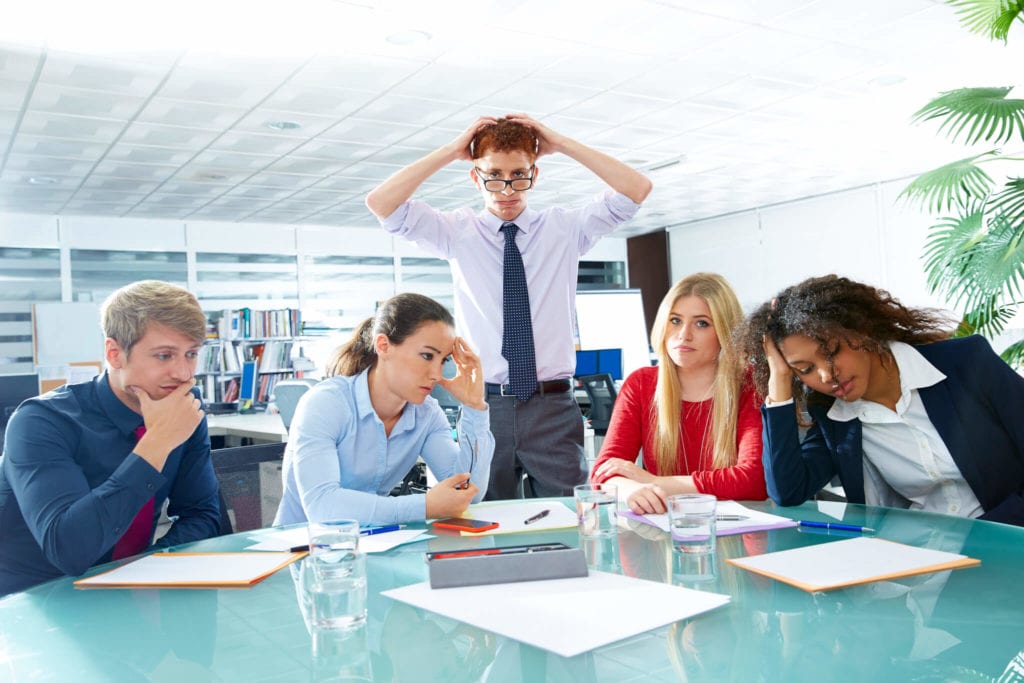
<point x="250" y="485"/>
<point x="287" y="393"/>
<point x="601" y="392"/>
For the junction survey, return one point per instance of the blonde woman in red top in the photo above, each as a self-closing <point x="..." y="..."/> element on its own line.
<point x="694" y="415"/>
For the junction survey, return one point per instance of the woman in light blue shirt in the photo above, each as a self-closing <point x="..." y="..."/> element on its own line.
<point x="355" y="435"/>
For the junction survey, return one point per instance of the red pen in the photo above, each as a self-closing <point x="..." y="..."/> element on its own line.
<point x="465" y="553"/>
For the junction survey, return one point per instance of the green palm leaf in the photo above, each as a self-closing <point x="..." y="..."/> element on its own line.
<point x="949" y="251"/>
<point x="1009" y="202"/>
<point x="989" y="319"/>
<point x="989" y="18"/>
<point x="1014" y="354"/>
<point x="978" y="113"/>
<point x="977" y="261"/>
<point x="953" y="184"/>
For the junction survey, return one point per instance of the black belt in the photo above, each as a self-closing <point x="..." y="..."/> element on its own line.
<point x="552" y="386"/>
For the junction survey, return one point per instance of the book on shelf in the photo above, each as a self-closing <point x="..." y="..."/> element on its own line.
<point x="245" y="323"/>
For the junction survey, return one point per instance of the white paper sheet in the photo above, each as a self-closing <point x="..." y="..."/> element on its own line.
<point x="564" y="616"/>
<point x="192" y="569"/>
<point x="756" y="521"/>
<point x="850" y="562"/>
<point x="511" y="517"/>
<point x="376" y="543"/>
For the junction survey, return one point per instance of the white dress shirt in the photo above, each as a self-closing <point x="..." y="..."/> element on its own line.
<point x="906" y="462"/>
<point x="551" y="242"/>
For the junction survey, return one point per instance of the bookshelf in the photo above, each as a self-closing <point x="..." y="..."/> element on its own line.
<point x="272" y="338"/>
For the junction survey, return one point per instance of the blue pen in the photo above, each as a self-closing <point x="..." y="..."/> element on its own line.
<point x="380" y="529"/>
<point x="837" y="526"/>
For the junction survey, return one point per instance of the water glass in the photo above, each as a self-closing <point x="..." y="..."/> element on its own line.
<point x="341" y="656"/>
<point x="694" y="570"/>
<point x="337" y="575"/>
<point x="602" y="553"/>
<point x="691" y="520"/>
<point x="597" y="509"/>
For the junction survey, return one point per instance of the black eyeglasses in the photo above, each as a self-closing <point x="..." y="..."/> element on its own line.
<point x="498" y="185"/>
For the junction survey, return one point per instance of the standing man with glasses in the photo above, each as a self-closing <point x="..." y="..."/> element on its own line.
<point x="514" y="272"/>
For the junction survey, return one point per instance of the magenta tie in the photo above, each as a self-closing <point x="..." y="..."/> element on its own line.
<point x="140" y="532"/>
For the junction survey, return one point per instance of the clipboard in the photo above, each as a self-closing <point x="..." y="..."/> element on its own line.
<point x="192" y="570"/>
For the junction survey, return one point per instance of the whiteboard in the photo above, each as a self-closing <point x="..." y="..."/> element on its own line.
<point x="614" y="319"/>
<point x="67" y="333"/>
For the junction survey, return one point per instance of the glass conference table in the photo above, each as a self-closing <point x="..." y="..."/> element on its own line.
<point x="962" y="625"/>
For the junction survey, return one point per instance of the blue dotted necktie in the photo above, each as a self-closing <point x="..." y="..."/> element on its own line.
<point x="517" y="335"/>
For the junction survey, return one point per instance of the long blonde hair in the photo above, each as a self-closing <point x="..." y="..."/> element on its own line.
<point x="726" y="315"/>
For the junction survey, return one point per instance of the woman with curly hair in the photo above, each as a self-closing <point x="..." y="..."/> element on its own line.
<point x="694" y="415"/>
<point x="923" y="421"/>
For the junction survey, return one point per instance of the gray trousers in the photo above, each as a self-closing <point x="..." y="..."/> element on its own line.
<point x="542" y="438"/>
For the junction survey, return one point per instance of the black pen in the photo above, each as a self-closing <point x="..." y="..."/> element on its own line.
<point x="537" y="517"/>
<point x="465" y="484"/>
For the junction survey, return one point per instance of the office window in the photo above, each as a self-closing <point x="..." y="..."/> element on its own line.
<point x="238" y="280"/>
<point x="601" y="275"/>
<point x="429" y="276"/>
<point x="95" y="273"/>
<point x="342" y="291"/>
<point x="339" y="292"/>
<point x="27" y="276"/>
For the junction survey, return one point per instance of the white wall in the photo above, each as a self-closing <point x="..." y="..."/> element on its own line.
<point x="860" y="233"/>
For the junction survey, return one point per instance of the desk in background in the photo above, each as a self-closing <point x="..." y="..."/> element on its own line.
<point x="256" y="426"/>
<point x="966" y="624"/>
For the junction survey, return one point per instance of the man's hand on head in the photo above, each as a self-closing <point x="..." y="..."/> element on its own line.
<point x="462" y="143"/>
<point x="548" y="141"/>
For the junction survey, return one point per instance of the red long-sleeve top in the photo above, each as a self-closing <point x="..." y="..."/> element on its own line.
<point x="630" y="429"/>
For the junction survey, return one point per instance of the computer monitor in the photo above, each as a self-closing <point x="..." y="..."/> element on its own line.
<point x="13" y="390"/>
<point x="247" y="390"/>
<point x="594" y="361"/>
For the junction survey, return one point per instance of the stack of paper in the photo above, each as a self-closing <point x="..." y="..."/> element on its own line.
<point x="851" y="562"/>
<point x="192" y="570"/>
<point x="564" y="616"/>
<point x="752" y="519"/>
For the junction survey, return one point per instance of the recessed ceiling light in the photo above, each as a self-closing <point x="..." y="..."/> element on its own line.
<point x="42" y="180"/>
<point x="283" y="125"/>
<point x="409" y="38"/>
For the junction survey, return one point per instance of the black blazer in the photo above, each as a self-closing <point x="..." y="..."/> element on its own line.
<point x="978" y="411"/>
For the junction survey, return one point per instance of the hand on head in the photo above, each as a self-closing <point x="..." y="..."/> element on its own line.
<point x="548" y="141"/>
<point x="468" y="384"/>
<point x="462" y="143"/>
<point x="447" y="499"/>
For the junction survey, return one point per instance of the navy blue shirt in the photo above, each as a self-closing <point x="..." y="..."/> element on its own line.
<point x="70" y="484"/>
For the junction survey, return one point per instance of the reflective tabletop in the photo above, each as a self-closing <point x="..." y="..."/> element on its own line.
<point x="966" y="624"/>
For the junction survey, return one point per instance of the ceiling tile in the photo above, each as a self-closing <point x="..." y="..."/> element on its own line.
<point x="400" y="109"/>
<point x="19" y="63"/>
<point x="73" y="101"/>
<point x="157" y="135"/>
<point x="73" y="127"/>
<point x="190" y="114"/>
<point x="215" y="87"/>
<point x="129" y="78"/>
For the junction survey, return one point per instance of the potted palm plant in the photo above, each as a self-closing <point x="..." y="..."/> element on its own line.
<point x="974" y="255"/>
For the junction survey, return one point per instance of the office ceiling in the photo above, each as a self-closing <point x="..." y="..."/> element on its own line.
<point x="290" y="112"/>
